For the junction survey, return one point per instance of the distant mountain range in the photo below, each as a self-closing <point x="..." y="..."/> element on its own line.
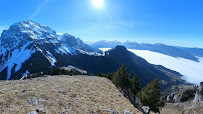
<point x="29" y="47"/>
<point x="174" y="51"/>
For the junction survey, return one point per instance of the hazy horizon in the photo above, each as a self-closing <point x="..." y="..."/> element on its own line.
<point x="140" y="41"/>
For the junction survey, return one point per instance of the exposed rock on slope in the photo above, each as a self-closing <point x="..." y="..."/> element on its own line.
<point x="183" y="108"/>
<point x="74" y="95"/>
<point x="189" y="105"/>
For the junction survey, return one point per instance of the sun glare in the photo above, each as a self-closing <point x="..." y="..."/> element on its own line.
<point x="98" y="3"/>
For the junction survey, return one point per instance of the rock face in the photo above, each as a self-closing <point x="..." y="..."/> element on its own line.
<point x="197" y="98"/>
<point x="174" y="97"/>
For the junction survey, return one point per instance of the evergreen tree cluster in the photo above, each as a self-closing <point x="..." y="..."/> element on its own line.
<point x="52" y="72"/>
<point x="109" y="75"/>
<point x="201" y="91"/>
<point x="59" y="71"/>
<point x="149" y="96"/>
<point x="188" y="94"/>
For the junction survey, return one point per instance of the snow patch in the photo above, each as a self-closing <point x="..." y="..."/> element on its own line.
<point x="17" y="57"/>
<point x="51" y="58"/>
<point x="65" y="49"/>
<point x="59" y="34"/>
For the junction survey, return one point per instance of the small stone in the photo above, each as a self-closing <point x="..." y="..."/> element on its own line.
<point x="33" y="112"/>
<point x="24" y="90"/>
<point x="146" y="109"/>
<point x="42" y="100"/>
<point x="62" y="91"/>
<point x="40" y="110"/>
<point x="63" y="112"/>
<point x="33" y="101"/>
<point x="111" y="111"/>
<point x="69" y="103"/>
<point x="127" y="112"/>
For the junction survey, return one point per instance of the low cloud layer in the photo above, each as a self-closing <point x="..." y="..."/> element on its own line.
<point x="191" y="70"/>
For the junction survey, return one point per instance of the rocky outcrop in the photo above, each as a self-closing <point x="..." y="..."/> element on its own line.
<point x="173" y="97"/>
<point x="198" y="98"/>
<point x="146" y="109"/>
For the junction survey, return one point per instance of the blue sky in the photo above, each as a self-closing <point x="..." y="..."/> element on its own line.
<point x="173" y="22"/>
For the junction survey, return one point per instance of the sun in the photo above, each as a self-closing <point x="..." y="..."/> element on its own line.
<point x="98" y="3"/>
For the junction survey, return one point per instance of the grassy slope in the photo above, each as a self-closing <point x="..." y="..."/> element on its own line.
<point x="86" y="94"/>
<point x="183" y="108"/>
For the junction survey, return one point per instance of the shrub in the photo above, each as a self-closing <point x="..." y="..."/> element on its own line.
<point x="58" y="71"/>
<point x="188" y="94"/>
<point x="109" y="75"/>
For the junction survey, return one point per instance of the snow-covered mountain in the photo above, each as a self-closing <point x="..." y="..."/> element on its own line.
<point x="26" y="39"/>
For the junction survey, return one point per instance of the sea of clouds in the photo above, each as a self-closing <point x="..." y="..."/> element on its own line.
<point x="192" y="71"/>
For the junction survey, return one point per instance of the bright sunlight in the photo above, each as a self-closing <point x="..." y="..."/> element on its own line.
<point x="98" y="3"/>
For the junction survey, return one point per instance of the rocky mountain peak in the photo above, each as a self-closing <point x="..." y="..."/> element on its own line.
<point x="120" y="48"/>
<point x="30" y="25"/>
<point x="28" y="29"/>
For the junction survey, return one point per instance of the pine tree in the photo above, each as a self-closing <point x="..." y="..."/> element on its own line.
<point x="110" y="76"/>
<point x="136" y="86"/>
<point x="100" y="74"/>
<point x="150" y="96"/>
<point x="121" y="78"/>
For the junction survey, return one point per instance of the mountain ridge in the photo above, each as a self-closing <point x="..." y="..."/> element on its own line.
<point x="47" y="49"/>
<point x="174" y="51"/>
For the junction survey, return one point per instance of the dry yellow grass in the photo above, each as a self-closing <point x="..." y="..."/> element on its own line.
<point x="71" y="95"/>
<point x="183" y="108"/>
